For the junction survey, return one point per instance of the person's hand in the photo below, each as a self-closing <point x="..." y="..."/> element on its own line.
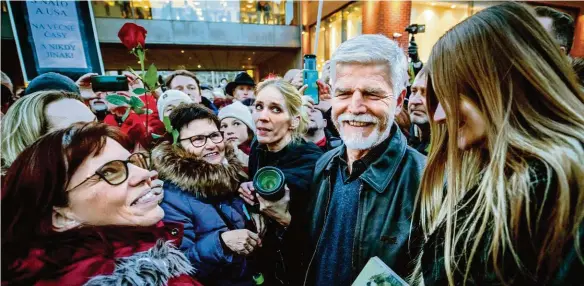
<point x="84" y="84"/>
<point x="302" y="89"/>
<point x="241" y="156"/>
<point x="298" y="80"/>
<point x="324" y="95"/>
<point x="308" y="102"/>
<point x="324" y="90"/>
<point x="246" y="192"/>
<point x="278" y="210"/>
<point x="260" y="223"/>
<point x="241" y="241"/>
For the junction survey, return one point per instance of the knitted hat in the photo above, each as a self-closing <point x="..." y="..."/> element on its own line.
<point x="238" y="111"/>
<point x="169" y="96"/>
<point x="51" y="81"/>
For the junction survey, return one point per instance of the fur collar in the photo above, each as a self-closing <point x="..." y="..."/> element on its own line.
<point x="153" y="267"/>
<point x="196" y="176"/>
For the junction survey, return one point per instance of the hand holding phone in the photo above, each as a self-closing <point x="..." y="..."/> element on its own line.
<point x="310" y="75"/>
<point x="109" y="83"/>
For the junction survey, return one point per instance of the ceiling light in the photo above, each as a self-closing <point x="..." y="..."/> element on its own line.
<point x="177" y="17"/>
<point x="199" y="66"/>
<point x="182" y="51"/>
<point x="242" y="67"/>
<point x="223" y="19"/>
<point x="253" y="53"/>
<point x="453" y="6"/>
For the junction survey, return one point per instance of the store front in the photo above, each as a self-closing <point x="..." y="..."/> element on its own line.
<point x="440" y="16"/>
<point x="338" y="27"/>
<point x="279" y="12"/>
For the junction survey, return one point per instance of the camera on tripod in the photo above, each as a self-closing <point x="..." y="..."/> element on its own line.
<point x="416" y="28"/>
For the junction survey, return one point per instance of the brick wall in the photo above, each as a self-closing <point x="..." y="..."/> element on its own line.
<point x="387" y="18"/>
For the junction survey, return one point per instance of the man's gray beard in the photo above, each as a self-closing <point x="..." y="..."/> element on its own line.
<point x="360" y="142"/>
<point x="365" y="143"/>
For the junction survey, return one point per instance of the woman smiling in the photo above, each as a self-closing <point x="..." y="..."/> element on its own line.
<point x="75" y="202"/>
<point x="201" y="176"/>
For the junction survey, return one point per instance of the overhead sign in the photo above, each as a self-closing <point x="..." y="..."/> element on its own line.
<point x="56" y="36"/>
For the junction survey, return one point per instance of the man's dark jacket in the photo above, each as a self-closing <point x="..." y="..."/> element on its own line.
<point x="386" y="204"/>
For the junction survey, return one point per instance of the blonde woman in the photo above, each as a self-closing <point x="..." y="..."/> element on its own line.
<point x="280" y="122"/>
<point x="36" y="114"/>
<point x="507" y="135"/>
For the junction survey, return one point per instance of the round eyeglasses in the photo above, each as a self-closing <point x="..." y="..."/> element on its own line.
<point x="116" y="172"/>
<point x="201" y="140"/>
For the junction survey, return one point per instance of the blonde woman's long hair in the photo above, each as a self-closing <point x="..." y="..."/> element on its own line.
<point x="25" y="122"/>
<point x="293" y="103"/>
<point x="503" y="61"/>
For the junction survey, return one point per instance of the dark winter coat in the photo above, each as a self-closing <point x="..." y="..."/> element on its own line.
<point x="386" y="204"/>
<point x="526" y="246"/>
<point x="297" y="161"/>
<point x="194" y="192"/>
<point x="332" y="142"/>
<point x="104" y="256"/>
<point x="207" y="103"/>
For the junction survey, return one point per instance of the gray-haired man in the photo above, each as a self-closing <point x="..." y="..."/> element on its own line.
<point x="363" y="191"/>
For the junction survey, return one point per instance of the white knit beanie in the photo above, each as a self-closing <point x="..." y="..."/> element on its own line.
<point x="169" y="96"/>
<point x="238" y="111"/>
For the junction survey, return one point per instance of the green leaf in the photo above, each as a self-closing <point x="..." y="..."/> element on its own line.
<point x="156" y="136"/>
<point x="139" y="91"/>
<point x="138" y="110"/>
<point x="175" y="137"/>
<point x="167" y="124"/>
<point x="126" y="115"/>
<point x="117" y="99"/>
<point x="136" y="102"/>
<point x="151" y="76"/>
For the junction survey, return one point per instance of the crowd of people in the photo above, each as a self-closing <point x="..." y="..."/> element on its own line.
<point x="469" y="172"/>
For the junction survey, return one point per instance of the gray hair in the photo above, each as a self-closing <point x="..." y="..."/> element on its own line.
<point x="373" y="49"/>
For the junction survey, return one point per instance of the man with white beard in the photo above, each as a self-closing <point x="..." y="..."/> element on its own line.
<point x="363" y="192"/>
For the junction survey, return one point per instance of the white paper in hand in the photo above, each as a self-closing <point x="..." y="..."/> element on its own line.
<point x="377" y="273"/>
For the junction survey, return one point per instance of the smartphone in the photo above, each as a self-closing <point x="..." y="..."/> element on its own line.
<point x="109" y="83"/>
<point x="310" y="75"/>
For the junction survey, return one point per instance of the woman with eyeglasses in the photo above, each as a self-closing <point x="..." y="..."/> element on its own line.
<point x="201" y="176"/>
<point x="79" y="209"/>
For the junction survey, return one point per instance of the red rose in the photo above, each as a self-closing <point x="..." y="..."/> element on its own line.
<point x="132" y="35"/>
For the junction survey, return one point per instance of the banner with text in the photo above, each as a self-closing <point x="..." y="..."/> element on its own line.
<point x="56" y="36"/>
